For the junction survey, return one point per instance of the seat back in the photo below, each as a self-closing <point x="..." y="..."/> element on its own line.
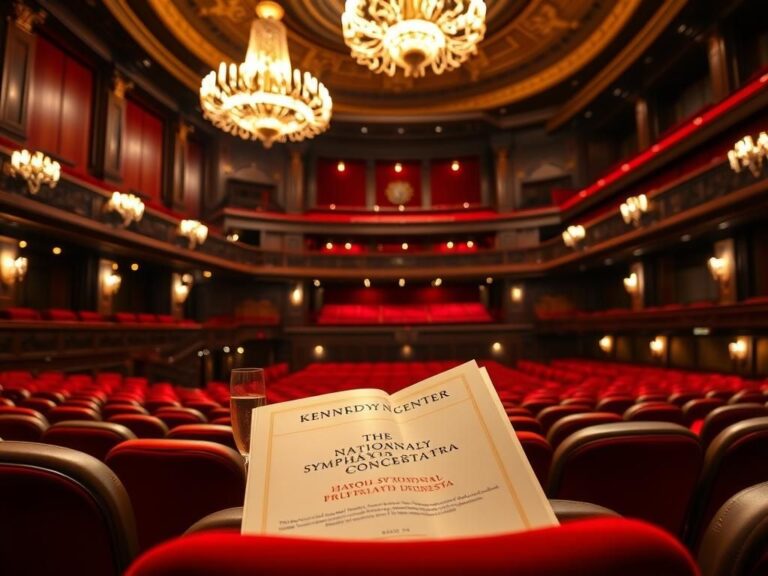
<point x="208" y="432"/>
<point x="736" y="541"/>
<point x="549" y="416"/>
<point x="615" y="404"/>
<point x="21" y="427"/>
<point x="63" y="512"/>
<point x="654" y="412"/>
<point x="42" y="405"/>
<point x="644" y="470"/>
<point x="720" y="418"/>
<point x="177" y="416"/>
<point x="539" y="454"/>
<point x="736" y="459"/>
<point x="61" y="413"/>
<point x="94" y="438"/>
<point x="174" y="483"/>
<point x="141" y="425"/>
<point x="570" y="424"/>
<point x="699" y="408"/>
<point x="599" y="547"/>
<point x="114" y="409"/>
<point x="525" y="424"/>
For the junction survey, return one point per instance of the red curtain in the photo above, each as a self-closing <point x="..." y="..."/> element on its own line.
<point x="452" y="188"/>
<point x="343" y="188"/>
<point x="60" y="104"/>
<point x="386" y="174"/>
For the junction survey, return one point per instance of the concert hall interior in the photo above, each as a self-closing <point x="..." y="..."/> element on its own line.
<point x="363" y="194"/>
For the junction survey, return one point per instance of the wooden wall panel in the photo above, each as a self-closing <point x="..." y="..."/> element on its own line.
<point x="132" y="140"/>
<point x="45" y="98"/>
<point x="18" y="61"/>
<point x="193" y="178"/>
<point x="142" y="152"/>
<point x="76" y="106"/>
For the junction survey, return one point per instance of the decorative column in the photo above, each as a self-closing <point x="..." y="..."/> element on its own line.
<point x="295" y="201"/>
<point x="426" y="183"/>
<point x="502" y="170"/>
<point x="642" y="124"/>
<point x="115" y="127"/>
<point x="718" y="66"/>
<point x="180" y="163"/>
<point x="370" y="183"/>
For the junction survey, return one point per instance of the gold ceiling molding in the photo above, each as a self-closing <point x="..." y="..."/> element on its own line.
<point x="159" y="53"/>
<point x="631" y="52"/>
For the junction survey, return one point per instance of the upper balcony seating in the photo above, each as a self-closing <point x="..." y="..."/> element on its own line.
<point x="447" y="313"/>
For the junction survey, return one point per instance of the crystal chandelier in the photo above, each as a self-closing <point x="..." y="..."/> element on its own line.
<point x="263" y="98"/>
<point x="129" y="207"/>
<point x="36" y="168"/>
<point x="633" y="208"/>
<point x="573" y="235"/>
<point x="194" y="231"/>
<point x="748" y="154"/>
<point x="413" y="34"/>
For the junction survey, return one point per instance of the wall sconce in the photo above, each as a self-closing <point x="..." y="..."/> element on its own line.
<point x="36" y="168"/>
<point x="13" y="269"/>
<point x="633" y="208"/>
<point x="658" y="345"/>
<point x="129" y="207"/>
<point x="748" y="154"/>
<point x="182" y="287"/>
<point x="738" y="349"/>
<point x="318" y="351"/>
<point x="573" y="235"/>
<point x="516" y="294"/>
<point x="720" y="269"/>
<point x="631" y="284"/>
<point x="110" y="283"/>
<point x="194" y="231"/>
<point x="297" y="295"/>
<point x="606" y="344"/>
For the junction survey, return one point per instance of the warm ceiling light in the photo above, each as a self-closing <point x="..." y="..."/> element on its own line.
<point x="22" y="243"/>
<point x="134" y="267"/>
<point x="401" y="208"/>
<point x="207" y="274"/>
<point x="437" y="282"/>
<point x="329" y="245"/>
<point x="13" y="268"/>
<point x="489" y="280"/>
<point x="748" y="154"/>
<point x="633" y="208"/>
<point x="332" y="206"/>
<point x="455" y="166"/>
<point x="738" y="349"/>
<point x="36" y="168"/>
<point x="466" y="205"/>
<point x="606" y="344"/>
<point x="516" y="294"/>
<point x="319" y="351"/>
<point x="401" y="282"/>
<point x="233" y="237"/>
<point x="367" y="283"/>
<point x="413" y="34"/>
<point x="317" y="283"/>
<point x="376" y="208"/>
<point x="632" y="283"/>
<point x="398" y="167"/>
<point x="719" y="268"/>
<point x="240" y="350"/>
<point x="115" y="266"/>
<point x="56" y="250"/>
<point x="129" y="207"/>
<point x="194" y="231"/>
<point x="496" y="347"/>
<point x="658" y="345"/>
<point x="340" y="167"/>
<point x="573" y="235"/>
<point x="111" y="283"/>
<point x="404" y="246"/>
<point x="348" y="246"/>
<point x="449" y="245"/>
<point x="264" y="98"/>
<point x="470" y="244"/>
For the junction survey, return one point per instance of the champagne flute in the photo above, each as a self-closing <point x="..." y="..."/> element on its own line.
<point x="247" y="389"/>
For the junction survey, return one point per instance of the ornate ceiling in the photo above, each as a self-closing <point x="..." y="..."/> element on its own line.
<point x="530" y="47"/>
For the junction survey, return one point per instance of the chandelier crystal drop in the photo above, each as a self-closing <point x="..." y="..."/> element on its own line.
<point x="264" y="98"/>
<point x="414" y="35"/>
<point x="747" y="153"/>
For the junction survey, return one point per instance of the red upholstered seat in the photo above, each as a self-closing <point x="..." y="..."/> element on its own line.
<point x="115" y="408"/>
<point x="208" y="432"/>
<point x="616" y="404"/>
<point x="42" y="405"/>
<point x="537" y="405"/>
<point x="548" y="416"/>
<point x="61" y="413"/>
<point x="6" y="402"/>
<point x="154" y="405"/>
<point x="525" y="424"/>
<point x="656" y="412"/>
<point x="142" y="425"/>
<point x="177" y="416"/>
<point x="745" y="396"/>
<point x="17" y="395"/>
<point x="736" y="459"/>
<point x="681" y="398"/>
<point x="599" y="547"/>
<point x="57" y="397"/>
<point x="63" y="512"/>
<point x="204" y="406"/>
<point x="21" y="427"/>
<point x="125" y="317"/>
<point x="90" y="316"/>
<point x="697" y="409"/>
<point x="94" y="438"/>
<point x="539" y="454"/>
<point x="720" y="418"/>
<point x="20" y="411"/>
<point x="570" y="424"/>
<point x="22" y="314"/>
<point x="174" y="483"/>
<point x="59" y="315"/>
<point x="645" y="470"/>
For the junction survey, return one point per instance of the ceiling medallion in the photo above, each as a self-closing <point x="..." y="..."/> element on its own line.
<point x="399" y="192"/>
<point x="413" y="34"/>
<point x="263" y="98"/>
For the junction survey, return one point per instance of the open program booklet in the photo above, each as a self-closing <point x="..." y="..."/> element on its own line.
<point x="438" y="459"/>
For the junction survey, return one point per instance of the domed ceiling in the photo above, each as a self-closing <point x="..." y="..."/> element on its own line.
<point x="530" y="46"/>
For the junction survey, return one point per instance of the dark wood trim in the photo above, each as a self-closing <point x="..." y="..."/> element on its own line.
<point x="18" y="60"/>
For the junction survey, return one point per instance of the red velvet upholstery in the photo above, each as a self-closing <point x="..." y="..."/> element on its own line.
<point x="19" y="314"/>
<point x="537" y="405"/>
<point x="177" y="416"/>
<point x="208" y="432"/>
<point x="63" y="512"/>
<point x="645" y="470"/>
<point x="548" y="416"/>
<point x="720" y="418"/>
<point x="20" y="411"/>
<point x="61" y="413"/>
<point x="615" y="404"/>
<point x="525" y="424"/>
<point x="681" y="398"/>
<point x="57" y="397"/>
<point x="598" y="547"/>
<point x="90" y="316"/>
<point x="42" y="405"/>
<point x="59" y="315"/>
<point x="222" y="421"/>
<point x="115" y="408"/>
<point x="539" y="454"/>
<point x="174" y="483"/>
<point x="570" y="424"/>
<point x="518" y="411"/>
<point x="655" y="412"/>
<point x="698" y="408"/>
<point x="94" y="438"/>
<point x="125" y="317"/>
<point x="204" y="406"/>
<point x="21" y="427"/>
<point x="154" y="405"/>
<point x="6" y="401"/>
<point x="736" y="459"/>
<point x="145" y="318"/>
<point x="141" y="425"/>
<point x="744" y="396"/>
<point x="17" y="395"/>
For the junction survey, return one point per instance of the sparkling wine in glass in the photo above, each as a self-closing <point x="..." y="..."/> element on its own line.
<point x="247" y="389"/>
